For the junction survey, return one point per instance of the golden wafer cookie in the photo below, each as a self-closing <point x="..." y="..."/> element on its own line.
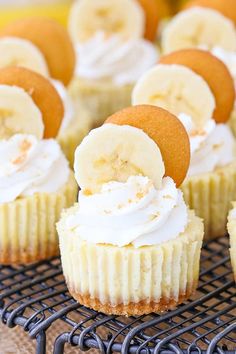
<point x="214" y="72"/>
<point x="165" y="8"/>
<point x="166" y="130"/>
<point x="51" y="39"/>
<point x="151" y="13"/>
<point x="42" y="92"/>
<point x="225" y="7"/>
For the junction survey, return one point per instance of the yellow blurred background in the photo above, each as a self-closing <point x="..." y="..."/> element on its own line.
<point x="168" y="8"/>
<point x="59" y="9"/>
<point x="14" y="9"/>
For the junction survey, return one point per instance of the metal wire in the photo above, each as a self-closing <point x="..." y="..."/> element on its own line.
<point x="35" y="297"/>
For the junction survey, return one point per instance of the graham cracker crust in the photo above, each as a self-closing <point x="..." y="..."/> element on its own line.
<point x="19" y="257"/>
<point x="134" y="309"/>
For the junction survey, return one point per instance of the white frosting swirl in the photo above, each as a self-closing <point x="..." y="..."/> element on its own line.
<point x="212" y="147"/>
<point x="29" y="166"/>
<point x="196" y="136"/>
<point x="69" y="111"/>
<point x="110" y="57"/>
<point x="232" y="213"/>
<point x="133" y="212"/>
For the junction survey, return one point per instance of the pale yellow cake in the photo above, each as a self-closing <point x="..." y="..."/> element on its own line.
<point x="27" y="225"/>
<point x="72" y="135"/>
<point x="210" y="195"/>
<point x="100" y="97"/>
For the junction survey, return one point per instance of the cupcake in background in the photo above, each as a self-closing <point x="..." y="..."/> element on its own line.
<point x="114" y="43"/>
<point x="201" y="27"/>
<point x="232" y="236"/>
<point x="198" y="88"/>
<point x="225" y="52"/>
<point x="11" y="10"/>
<point x="35" y="179"/>
<point x="131" y="246"/>
<point x="44" y="46"/>
<point x="216" y="19"/>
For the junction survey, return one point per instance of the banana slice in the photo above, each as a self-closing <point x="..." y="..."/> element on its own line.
<point x="123" y="17"/>
<point x="20" y="52"/>
<point x="51" y="39"/>
<point x="214" y="72"/>
<point x="176" y="89"/>
<point x="199" y="27"/>
<point x="43" y="93"/>
<point x="19" y="113"/>
<point x="114" y="153"/>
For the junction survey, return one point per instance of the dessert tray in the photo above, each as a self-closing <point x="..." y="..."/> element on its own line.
<point x="35" y="297"/>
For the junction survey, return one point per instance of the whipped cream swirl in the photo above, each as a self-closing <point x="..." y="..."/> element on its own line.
<point x="211" y="147"/>
<point x="111" y="57"/>
<point x="133" y="212"/>
<point x="232" y="213"/>
<point x="29" y="166"/>
<point x="69" y="112"/>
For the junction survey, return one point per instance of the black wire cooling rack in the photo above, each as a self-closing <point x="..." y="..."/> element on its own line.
<point x="35" y="297"/>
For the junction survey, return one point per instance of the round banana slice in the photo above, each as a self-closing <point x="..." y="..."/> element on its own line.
<point x="225" y="7"/>
<point x="20" y="52"/>
<point x="114" y="153"/>
<point x="214" y="72"/>
<point x="123" y="17"/>
<point x="166" y="130"/>
<point x="18" y="113"/>
<point x="177" y="89"/>
<point x="51" y="39"/>
<point x="42" y="93"/>
<point x="199" y="27"/>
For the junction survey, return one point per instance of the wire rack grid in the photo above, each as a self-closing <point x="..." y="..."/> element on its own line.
<point x="35" y="297"/>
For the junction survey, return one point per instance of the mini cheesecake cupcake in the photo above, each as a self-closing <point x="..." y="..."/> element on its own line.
<point x="198" y="88"/>
<point x="114" y="42"/>
<point x="201" y="27"/>
<point x="40" y="44"/>
<point x="211" y="26"/>
<point x="232" y="236"/>
<point x="226" y="53"/>
<point x="35" y="180"/>
<point x="131" y="246"/>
